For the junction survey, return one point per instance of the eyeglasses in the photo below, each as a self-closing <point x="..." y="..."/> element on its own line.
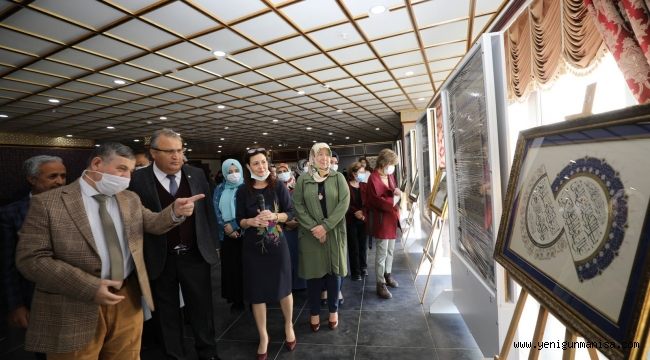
<point x="252" y="151"/>
<point x="171" y="151"/>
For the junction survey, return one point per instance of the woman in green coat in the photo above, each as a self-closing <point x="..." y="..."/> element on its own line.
<point x="321" y="200"/>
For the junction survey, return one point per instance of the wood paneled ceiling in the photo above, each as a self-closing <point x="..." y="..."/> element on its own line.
<point x="291" y="72"/>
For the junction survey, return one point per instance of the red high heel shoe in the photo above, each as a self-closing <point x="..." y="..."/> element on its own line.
<point x="291" y="345"/>
<point x="263" y="356"/>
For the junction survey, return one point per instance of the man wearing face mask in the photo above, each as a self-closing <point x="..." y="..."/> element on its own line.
<point x="81" y="244"/>
<point x="184" y="255"/>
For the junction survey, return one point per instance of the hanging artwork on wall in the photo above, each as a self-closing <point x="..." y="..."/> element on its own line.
<point x="438" y="135"/>
<point x="574" y="231"/>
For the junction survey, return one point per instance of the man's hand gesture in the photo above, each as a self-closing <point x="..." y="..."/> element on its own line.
<point x="185" y="206"/>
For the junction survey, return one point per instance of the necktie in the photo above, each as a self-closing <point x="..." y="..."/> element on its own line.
<point x="173" y="186"/>
<point x="112" y="241"/>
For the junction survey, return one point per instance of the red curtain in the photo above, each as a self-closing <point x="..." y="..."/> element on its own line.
<point x="625" y="27"/>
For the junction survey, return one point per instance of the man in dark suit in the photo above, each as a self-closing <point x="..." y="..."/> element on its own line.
<point x="181" y="256"/>
<point x="81" y="245"/>
<point x="43" y="172"/>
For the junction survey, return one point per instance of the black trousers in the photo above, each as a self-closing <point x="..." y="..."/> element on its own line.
<point x="357" y="247"/>
<point x="330" y="282"/>
<point x="193" y="274"/>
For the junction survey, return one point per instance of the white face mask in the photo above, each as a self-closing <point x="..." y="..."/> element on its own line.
<point x="259" y="178"/>
<point x="362" y="176"/>
<point x="390" y="169"/>
<point x="110" y="185"/>
<point x="334" y="167"/>
<point x="233" y="178"/>
<point x="305" y="169"/>
<point x="284" y="177"/>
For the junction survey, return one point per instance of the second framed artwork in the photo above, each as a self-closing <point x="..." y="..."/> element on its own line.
<point x="575" y="226"/>
<point x="438" y="198"/>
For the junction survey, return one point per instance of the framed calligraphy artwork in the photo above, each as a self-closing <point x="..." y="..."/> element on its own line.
<point x="438" y="197"/>
<point x="574" y="230"/>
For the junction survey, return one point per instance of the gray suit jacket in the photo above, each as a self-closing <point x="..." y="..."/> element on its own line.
<point x="56" y="250"/>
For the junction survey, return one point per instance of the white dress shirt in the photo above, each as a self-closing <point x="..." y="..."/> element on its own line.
<point x="163" y="179"/>
<point x="92" y="211"/>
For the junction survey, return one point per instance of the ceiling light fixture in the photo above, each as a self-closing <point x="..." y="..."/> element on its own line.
<point x="222" y="139"/>
<point x="326" y="86"/>
<point x="254" y="142"/>
<point x="275" y="120"/>
<point x="97" y="145"/>
<point x="220" y="107"/>
<point x="265" y="133"/>
<point x="300" y="92"/>
<point x="189" y="149"/>
<point x="377" y="128"/>
<point x="313" y="141"/>
<point x="226" y="128"/>
<point x="359" y="140"/>
<point x="408" y="73"/>
<point x="136" y="140"/>
<point x="220" y="146"/>
<point x="376" y="10"/>
<point x="119" y="82"/>
<point x="149" y="122"/>
<point x="420" y="99"/>
<point x="308" y="128"/>
<point x="54" y="101"/>
<point x="248" y="148"/>
<point x="110" y="127"/>
<point x="220" y="150"/>
<point x="69" y="135"/>
<point x="339" y="111"/>
<point x="4" y="116"/>
<point x="163" y="118"/>
<point x="219" y="53"/>
<point x="330" y="133"/>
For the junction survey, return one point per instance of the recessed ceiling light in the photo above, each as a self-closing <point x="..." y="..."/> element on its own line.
<point x="110" y="127"/>
<point x="185" y="144"/>
<point x="339" y="110"/>
<point x="313" y="141"/>
<point x="330" y="143"/>
<point x="308" y="128"/>
<point x="377" y="128"/>
<point x="163" y="118"/>
<point x="301" y="92"/>
<point x="420" y="99"/>
<point x="298" y="147"/>
<point x="220" y="107"/>
<point x="222" y="139"/>
<point x="220" y="146"/>
<point x="220" y="150"/>
<point x="408" y="73"/>
<point x="136" y="140"/>
<point x="347" y="138"/>
<point x="279" y="145"/>
<point x="248" y="148"/>
<point x="226" y="128"/>
<point x="4" y="116"/>
<point x="275" y="120"/>
<point x="149" y="122"/>
<point x="359" y="140"/>
<point x="376" y="10"/>
<point x="254" y="142"/>
<point x="179" y="134"/>
<point x="69" y="135"/>
<point x="119" y="82"/>
<point x="326" y="86"/>
<point x="54" y="101"/>
<point x="219" y="53"/>
<point x="330" y="133"/>
<point x="189" y="149"/>
<point x="97" y="145"/>
<point x="265" y="133"/>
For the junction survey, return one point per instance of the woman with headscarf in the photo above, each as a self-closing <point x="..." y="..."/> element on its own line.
<point x="262" y="205"/>
<point x="285" y="175"/>
<point x="321" y="199"/>
<point x="229" y="233"/>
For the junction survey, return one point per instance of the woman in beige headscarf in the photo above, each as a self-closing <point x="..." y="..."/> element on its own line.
<point x="321" y="199"/>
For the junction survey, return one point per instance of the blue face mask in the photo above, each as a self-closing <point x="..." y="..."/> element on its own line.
<point x="362" y="177"/>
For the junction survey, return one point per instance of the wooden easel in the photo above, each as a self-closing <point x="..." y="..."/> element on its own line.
<point x="439" y="223"/>
<point x="538" y="335"/>
<point x="404" y="238"/>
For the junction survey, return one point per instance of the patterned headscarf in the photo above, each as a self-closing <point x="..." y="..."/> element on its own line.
<point x="313" y="168"/>
<point x="292" y="179"/>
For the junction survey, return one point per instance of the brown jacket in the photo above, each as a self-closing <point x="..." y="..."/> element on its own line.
<point x="57" y="251"/>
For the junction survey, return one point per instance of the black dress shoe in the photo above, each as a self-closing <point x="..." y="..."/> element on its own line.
<point x="356" y="277"/>
<point x="364" y="272"/>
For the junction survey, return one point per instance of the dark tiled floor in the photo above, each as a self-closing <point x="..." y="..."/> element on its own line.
<point x="370" y="328"/>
